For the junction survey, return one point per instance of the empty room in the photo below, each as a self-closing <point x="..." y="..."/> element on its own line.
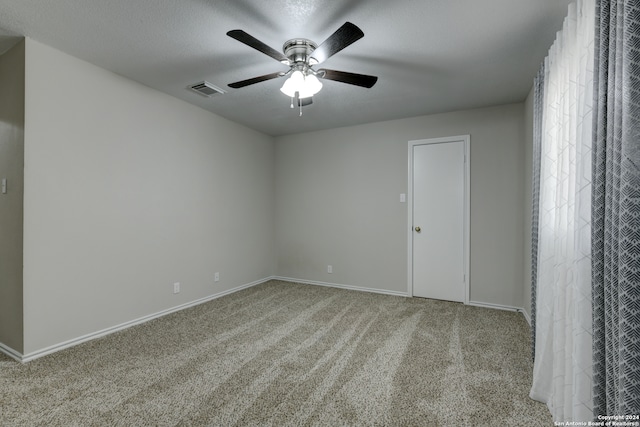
<point x="314" y="213"/>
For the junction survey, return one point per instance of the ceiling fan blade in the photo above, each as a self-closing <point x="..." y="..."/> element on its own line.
<point x="343" y="37"/>
<point x="349" y="78"/>
<point x="243" y="83"/>
<point x="253" y="42"/>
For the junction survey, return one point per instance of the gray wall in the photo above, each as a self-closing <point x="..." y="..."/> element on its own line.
<point x="337" y="202"/>
<point x="11" y="168"/>
<point x="127" y="191"/>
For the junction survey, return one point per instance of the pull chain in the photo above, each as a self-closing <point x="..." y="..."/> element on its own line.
<point x="299" y="103"/>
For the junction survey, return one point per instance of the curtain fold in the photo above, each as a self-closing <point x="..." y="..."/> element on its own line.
<point x="538" y="106"/>
<point x="616" y="210"/>
<point x="562" y="359"/>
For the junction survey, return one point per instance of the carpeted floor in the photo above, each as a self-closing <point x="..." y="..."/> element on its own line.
<point x="282" y="354"/>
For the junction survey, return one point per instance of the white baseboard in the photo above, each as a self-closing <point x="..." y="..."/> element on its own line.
<point x="79" y="340"/>
<point x="336" y="285"/>
<point x="502" y="307"/>
<point x="496" y="306"/>
<point x="11" y="352"/>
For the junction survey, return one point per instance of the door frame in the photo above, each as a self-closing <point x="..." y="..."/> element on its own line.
<point x="466" y="202"/>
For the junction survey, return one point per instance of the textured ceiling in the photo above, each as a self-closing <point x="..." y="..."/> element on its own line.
<point x="430" y="55"/>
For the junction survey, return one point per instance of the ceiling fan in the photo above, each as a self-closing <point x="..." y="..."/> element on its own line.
<point x="301" y="55"/>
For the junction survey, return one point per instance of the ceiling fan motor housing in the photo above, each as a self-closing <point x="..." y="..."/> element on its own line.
<point x="299" y="52"/>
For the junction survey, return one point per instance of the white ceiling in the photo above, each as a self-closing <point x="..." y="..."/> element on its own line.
<point x="430" y="55"/>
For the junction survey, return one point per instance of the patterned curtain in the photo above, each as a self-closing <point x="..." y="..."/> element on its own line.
<point x="562" y="361"/>
<point x="538" y="105"/>
<point x="616" y="210"/>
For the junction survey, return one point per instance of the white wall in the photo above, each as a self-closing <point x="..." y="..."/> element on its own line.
<point x="11" y="168"/>
<point x="127" y="191"/>
<point x="337" y="202"/>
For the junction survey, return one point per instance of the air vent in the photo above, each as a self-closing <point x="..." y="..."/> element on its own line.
<point x="206" y="89"/>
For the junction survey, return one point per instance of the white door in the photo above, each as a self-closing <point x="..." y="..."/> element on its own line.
<point x="438" y="235"/>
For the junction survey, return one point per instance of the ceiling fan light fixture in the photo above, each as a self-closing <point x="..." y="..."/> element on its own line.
<point x="293" y="84"/>
<point x="312" y="84"/>
<point x="305" y="86"/>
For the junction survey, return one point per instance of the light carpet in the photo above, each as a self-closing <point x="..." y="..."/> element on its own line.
<point x="283" y="354"/>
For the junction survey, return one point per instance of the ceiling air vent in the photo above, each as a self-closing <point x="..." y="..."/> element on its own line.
<point x="206" y="89"/>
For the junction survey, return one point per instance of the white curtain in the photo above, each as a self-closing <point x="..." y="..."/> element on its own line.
<point x="562" y="364"/>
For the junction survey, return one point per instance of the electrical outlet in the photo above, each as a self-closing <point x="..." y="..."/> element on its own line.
<point x="329" y="269"/>
<point x="176" y="288"/>
<point x="216" y="277"/>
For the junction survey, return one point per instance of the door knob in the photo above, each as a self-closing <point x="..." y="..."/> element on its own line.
<point x="418" y="229"/>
